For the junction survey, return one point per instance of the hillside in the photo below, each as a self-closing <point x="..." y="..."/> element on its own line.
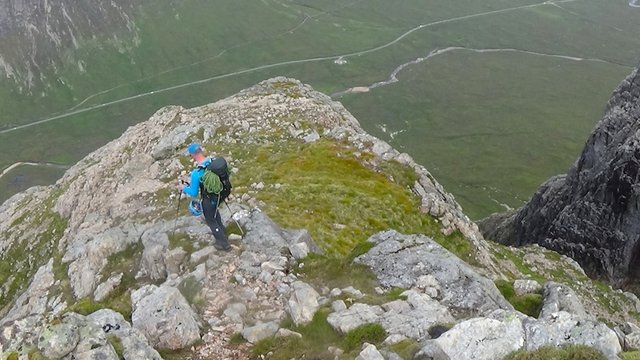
<point x="339" y="240"/>
<point x="439" y="74"/>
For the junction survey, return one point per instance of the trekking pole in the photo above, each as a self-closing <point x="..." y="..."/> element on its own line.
<point x="234" y="219"/>
<point x="175" y="222"/>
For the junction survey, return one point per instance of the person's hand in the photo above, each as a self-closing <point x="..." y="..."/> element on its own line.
<point x="182" y="182"/>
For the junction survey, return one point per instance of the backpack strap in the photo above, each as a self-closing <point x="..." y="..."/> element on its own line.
<point x="202" y="167"/>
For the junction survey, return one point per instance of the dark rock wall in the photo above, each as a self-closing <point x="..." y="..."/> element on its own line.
<point x="592" y="213"/>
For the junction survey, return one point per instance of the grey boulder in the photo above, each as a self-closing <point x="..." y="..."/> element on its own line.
<point x="303" y="303"/>
<point x="400" y="260"/>
<point x="164" y="316"/>
<point x="559" y="297"/>
<point x="357" y="315"/>
<point x="58" y="340"/>
<point x="478" y="338"/>
<point x="134" y="344"/>
<point x="260" y="331"/>
<point x="563" y="328"/>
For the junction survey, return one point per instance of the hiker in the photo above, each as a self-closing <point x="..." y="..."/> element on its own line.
<point x="209" y="201"/>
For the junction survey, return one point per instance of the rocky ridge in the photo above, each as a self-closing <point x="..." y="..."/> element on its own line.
<point x="155" y="283"/>
<point x="591" y="213"/>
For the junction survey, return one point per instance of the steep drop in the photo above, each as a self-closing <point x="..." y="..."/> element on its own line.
<point x="592" y="213"/>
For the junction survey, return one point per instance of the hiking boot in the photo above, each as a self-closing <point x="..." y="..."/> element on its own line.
<point x="221" y="248"/>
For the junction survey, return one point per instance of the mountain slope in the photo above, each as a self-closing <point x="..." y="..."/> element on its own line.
<point x="338" y="240"/>
<point x="37" y="34"/>
<point x="592" y="213"/>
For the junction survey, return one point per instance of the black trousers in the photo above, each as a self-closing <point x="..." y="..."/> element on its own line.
<point x="214" y="221"/>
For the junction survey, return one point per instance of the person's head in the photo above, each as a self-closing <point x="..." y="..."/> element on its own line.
<point x="196" y="153"/>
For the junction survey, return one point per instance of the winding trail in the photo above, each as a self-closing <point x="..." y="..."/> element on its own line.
<point x="587" y="18"/>
<point x="280" y="64"/>
<point x="22" y="163"/>
<point x="393" y="77"/>
<point x="222" y="52"/>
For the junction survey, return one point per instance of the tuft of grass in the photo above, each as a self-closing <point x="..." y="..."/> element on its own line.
<point x="237" y="339"/>
<point x="529" y="304"/>
<point x="126" y="261"/>
<point x="572" y="352"/>
<point x="233" y="228"/>
<point x="335" y="272"/>
<point x="630" y="355"/>
<point x="181" y="240"/>
<point x="503" y="252"/>
<point x="116" y="344"/>
<point x="183" y="354"/>
<point x="35" y="354"/>
<point x="406" y="348"/>
<point x="287" y="88"/>
<point x="119" y="300"/>
<point x="281" y="348"/>
<point x="191" y="289"/>
<point x="85" y="307"/>
<point x="404" y="175"/>
<point x="396" y="294"/>
<point x="370" y="333"/>
<point x="360" y="249"/>
<point x="317" y="336"/>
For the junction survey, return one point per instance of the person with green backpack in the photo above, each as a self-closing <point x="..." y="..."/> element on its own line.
<point x="210" y="180"/>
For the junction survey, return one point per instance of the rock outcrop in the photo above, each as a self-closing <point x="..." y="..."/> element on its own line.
<point x="486" y="326"/>
<point x="592" y="213"/>
<point x="165" y="317"/>
<point x="405" y="260"/>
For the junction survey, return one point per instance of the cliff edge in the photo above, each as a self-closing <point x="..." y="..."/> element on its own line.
<point x="592" y="213"/>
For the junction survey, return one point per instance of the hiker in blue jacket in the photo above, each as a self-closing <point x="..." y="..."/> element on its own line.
<point x="209" y="202"/>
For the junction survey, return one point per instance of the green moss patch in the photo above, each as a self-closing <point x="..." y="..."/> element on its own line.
<point x="630" y="355"/>
<point x="191" y="289"/>
<point x="529" y="304"/>
<point x="117" y="345"/>
<point x="340" y="272"/>
<point x="370" y="333"/>
<point x="317" y="336"/>
<point x="20" y="261"/>
<point x="237" y="339"/>
<point x="406" y="348"/>
<point x="607" y="302"/>
<point x="11" y="356"/>
<point x="330" y="189"/>
<point x="181" y="240"/>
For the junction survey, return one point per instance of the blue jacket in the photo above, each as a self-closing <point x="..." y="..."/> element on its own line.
<point x="193" y="189"/>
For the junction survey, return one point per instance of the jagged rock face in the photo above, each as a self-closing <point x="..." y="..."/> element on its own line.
<point x="592" y="213"/>
<point x="33" y="33"/>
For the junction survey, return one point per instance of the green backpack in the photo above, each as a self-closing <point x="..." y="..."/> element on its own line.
<point x="215" y="180"/>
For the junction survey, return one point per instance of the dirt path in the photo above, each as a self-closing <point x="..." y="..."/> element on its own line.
<point x="393" y="77"/>
<point x="22" y="163"/>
